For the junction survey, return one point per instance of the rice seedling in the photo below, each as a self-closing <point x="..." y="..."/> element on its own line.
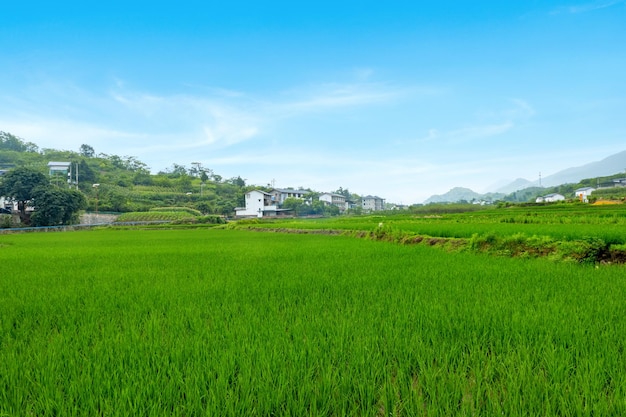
<point x="228" y="322"/>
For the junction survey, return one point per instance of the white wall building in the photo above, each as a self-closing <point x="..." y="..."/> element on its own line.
<point x="372" y="203"/>
<point x="335" y="200"/>
<point x="8" y="204"/>
<point x="583" y="193"/>
<point x="550" y="198"/>
<point x="259" y="204"/>
<point x="281" y="194"/>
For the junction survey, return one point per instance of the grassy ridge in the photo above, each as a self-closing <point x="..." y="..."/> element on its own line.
<point x="222" y="322"/>
<point x="573" y="232"/>
<point x="566" y="222"/>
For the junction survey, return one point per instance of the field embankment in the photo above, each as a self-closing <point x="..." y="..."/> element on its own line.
<point x="572" y="233"/>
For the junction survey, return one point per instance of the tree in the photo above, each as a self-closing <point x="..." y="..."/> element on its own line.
<point x="11" y="142"/>
<point x="345" y="193"/>
<point x="238" y="181"/>
<point x="19" y="183"/>
<point x="55" y="206"/>
<point x="295" y="204"/>
<point x="87" y="151"/>
<point x="176" y="171"/>
<point x="205" y="207"/>
<point x="86" y="174"/>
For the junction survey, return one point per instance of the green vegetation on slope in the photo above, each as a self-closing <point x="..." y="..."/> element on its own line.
<point x="125" y="183"/>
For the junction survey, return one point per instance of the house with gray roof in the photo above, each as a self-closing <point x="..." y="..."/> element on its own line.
<point x="372" y="203"/>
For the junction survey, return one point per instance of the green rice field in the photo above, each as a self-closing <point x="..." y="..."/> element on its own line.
<point x="218" y="322"/>
<point x="565" y="222"/>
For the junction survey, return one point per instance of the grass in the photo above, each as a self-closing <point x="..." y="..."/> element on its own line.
<point x="228" y="322"/>
<point x="564" y="232"/>
<point x="157" y="215"/>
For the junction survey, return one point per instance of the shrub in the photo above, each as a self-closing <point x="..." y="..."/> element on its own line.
<point x="211" y="219"/>
<point x="177" y="209"/>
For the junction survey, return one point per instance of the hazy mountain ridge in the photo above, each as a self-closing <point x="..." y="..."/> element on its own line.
<point x="463" y="194"/>
<point x="610" y="165"/>
<point x="518" y="184"/>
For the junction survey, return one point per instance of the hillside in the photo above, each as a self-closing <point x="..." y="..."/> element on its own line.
<point x="125" y="183"/>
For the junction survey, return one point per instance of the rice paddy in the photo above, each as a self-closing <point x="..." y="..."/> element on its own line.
<point x="210" y="322"/>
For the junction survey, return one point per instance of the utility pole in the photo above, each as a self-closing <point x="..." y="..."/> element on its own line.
<point x="96" y="186"/>
<point x="198" y="166"/>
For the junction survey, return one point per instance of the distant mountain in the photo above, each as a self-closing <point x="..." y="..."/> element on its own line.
<point x="518" y="184"/>
<point x="608" y="166"/>
<point x="462" y="194"/>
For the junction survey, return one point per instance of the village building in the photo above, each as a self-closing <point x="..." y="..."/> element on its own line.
<point x="260" y="204"/>
<point x="338" y="200"/>
<point x="550" y="198"/>
<point x="281" y="194"/>
<point x="584" y="193"/>
<point x="372" y="203"/>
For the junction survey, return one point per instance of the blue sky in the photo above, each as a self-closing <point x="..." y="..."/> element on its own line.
<point x="398" y="99"/>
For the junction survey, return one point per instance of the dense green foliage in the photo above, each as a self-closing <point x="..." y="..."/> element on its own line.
<point x="613" y="193"/>
<point x="223" y="322"/>
<point x="52" y="205"/>
<point x="55" y="206"/>
<point x="12" y="143"/>
<point x="126" y="183"/>
<point x="19" y="184"/>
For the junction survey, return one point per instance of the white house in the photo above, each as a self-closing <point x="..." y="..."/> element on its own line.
<point x="550" y="198"/>
<point x="259" y="204"/>
<point x="8" y="204"/>
<point x="335" y="200"/>
<point x="583" y="193"/>
<point x="372" y="203"/>
<point x="281" y="194"/>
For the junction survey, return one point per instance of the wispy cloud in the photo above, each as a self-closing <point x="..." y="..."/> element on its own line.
<point x="587" y="7"/>
<point x="64" y="134"/>
<point x="161" y="128"/>
<point x="471" y="133"/>
<point x="334" y="96"/>
<point x="501" y="121"/>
